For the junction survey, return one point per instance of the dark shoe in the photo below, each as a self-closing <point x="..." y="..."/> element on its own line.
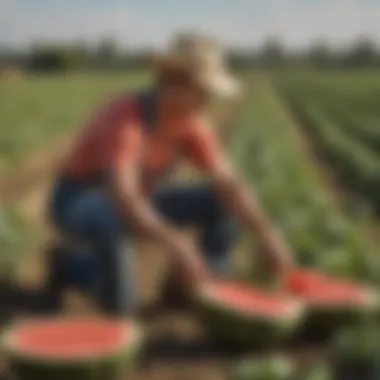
<point x="16" y="299"/>
<point x="173" y="296"/>
<point x="56" y="282"/>
<point x="171" y="299"/>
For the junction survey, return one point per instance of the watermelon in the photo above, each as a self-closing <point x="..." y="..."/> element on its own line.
<point x="238" y="314"/>
<point x="71" y="348"/>
<point x="331" y="303"/>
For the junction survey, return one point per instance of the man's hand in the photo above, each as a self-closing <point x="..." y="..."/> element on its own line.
<point x="139" y="214"/>
<point x="278" y="254"/>
<point x="188" y="261"/>
<point x="204" y="149"/>
<point x="240" y="200"/>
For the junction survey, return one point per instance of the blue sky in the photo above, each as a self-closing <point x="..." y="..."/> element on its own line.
<point x="151" y="22"/>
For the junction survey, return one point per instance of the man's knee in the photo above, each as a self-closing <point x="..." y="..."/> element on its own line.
<point x="95" y="218"/>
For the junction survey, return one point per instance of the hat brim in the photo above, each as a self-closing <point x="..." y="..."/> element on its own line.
<point x="224" y="84"/>
<point x="217" y="82"/>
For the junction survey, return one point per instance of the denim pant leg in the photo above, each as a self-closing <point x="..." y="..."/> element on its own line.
<point x="92" y="218"/>
<point x="197" y="205"/>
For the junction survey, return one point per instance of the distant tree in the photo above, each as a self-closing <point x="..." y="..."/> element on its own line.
<point x="362" y="53"/>
<point x="320" y="54"/>
<point x="11" y="58"/>
<point x="242" y="58"/>
<point x="80" y="56"/>
<point x="58" y="57"/>
<point x="273" y="52"/>
<point x="134" y="59"/>
<point x="107" y="53"/>
<point x="44" y="58"/>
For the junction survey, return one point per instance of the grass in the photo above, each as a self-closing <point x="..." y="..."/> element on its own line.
<point x="34" y="114"/>
<point x="265" y="145"/>
<point x="37" y="110"/>
<point x="342" y="111"/>
<point x="268" y="150"/>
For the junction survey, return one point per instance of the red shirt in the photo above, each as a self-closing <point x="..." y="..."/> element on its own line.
<point x="117" y="136"/>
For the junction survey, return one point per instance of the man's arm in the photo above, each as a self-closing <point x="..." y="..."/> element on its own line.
<point x="125" y="190"/>
<point x="244" y="204"/>
<point x="204" y="149"/>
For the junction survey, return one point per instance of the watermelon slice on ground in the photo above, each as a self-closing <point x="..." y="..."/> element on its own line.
<point x="331" y="302"/>
<point x="237" y="313"/>
<point x="71" y="348"/>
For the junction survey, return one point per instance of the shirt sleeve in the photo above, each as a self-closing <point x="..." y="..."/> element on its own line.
<point x="203" y="148"/>
<point x="124" y="147"/>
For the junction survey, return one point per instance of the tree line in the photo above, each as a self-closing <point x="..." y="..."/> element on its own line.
<point x="108" y="55"/>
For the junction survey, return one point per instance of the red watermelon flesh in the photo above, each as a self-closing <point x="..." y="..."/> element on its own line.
<point x="69" y="338"/>
<point x="318" y="288"/>
<point x="244" y="298"/>
<point x="298" y="281"/>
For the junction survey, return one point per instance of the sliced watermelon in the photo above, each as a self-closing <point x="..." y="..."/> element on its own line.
<point x="239" y="314"/>
<point x="71" y="348"/>
<point x="331" y="303"/>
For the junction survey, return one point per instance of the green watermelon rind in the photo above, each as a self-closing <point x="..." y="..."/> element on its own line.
<point x="209" y="309"/>
<point x="371" y="303"/>
<point x="323" y="320"/>
<point x="344" y="310"/>
<point x="296" y="313"/>
<point x="126" y="350"/>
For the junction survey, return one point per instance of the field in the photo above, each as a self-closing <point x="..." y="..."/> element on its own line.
<point x="37" y="116"/>
<point x="322" y="230"/>
<point x="308" y="143"/>
<point x="341" y="111"/>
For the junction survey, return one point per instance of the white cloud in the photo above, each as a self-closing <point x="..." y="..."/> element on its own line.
<point x="19" y="25"/>
<point x="338" y="21"/>
<point x="245" y="23"/>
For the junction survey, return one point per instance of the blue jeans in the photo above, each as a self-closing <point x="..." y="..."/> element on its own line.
<point x="86" y="213"/>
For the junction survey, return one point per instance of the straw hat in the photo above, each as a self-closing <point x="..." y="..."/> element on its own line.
<point x="201" y="57"/>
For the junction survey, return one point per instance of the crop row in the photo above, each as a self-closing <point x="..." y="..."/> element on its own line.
<point x="357" y="113"/>
<point x="351" y="148"/>
<point x="269" y="151"/>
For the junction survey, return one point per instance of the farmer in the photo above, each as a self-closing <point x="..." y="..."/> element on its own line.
<point x="109" y="185"/>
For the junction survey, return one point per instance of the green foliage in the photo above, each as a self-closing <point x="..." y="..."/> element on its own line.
<point x="268" y="149"/>
<point x="359" y="167"/>
<point x="360" y="344"/>
<point x="33" y="113"/>
<point x="37" y="110"/>
<point x="267" y="368"/>
<point x="356" y="351"/>
<point x="14" y="240"/>
<point x="276" y="368"/>
<point x="342" y="112"/>
<point x="318" y="372"/>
